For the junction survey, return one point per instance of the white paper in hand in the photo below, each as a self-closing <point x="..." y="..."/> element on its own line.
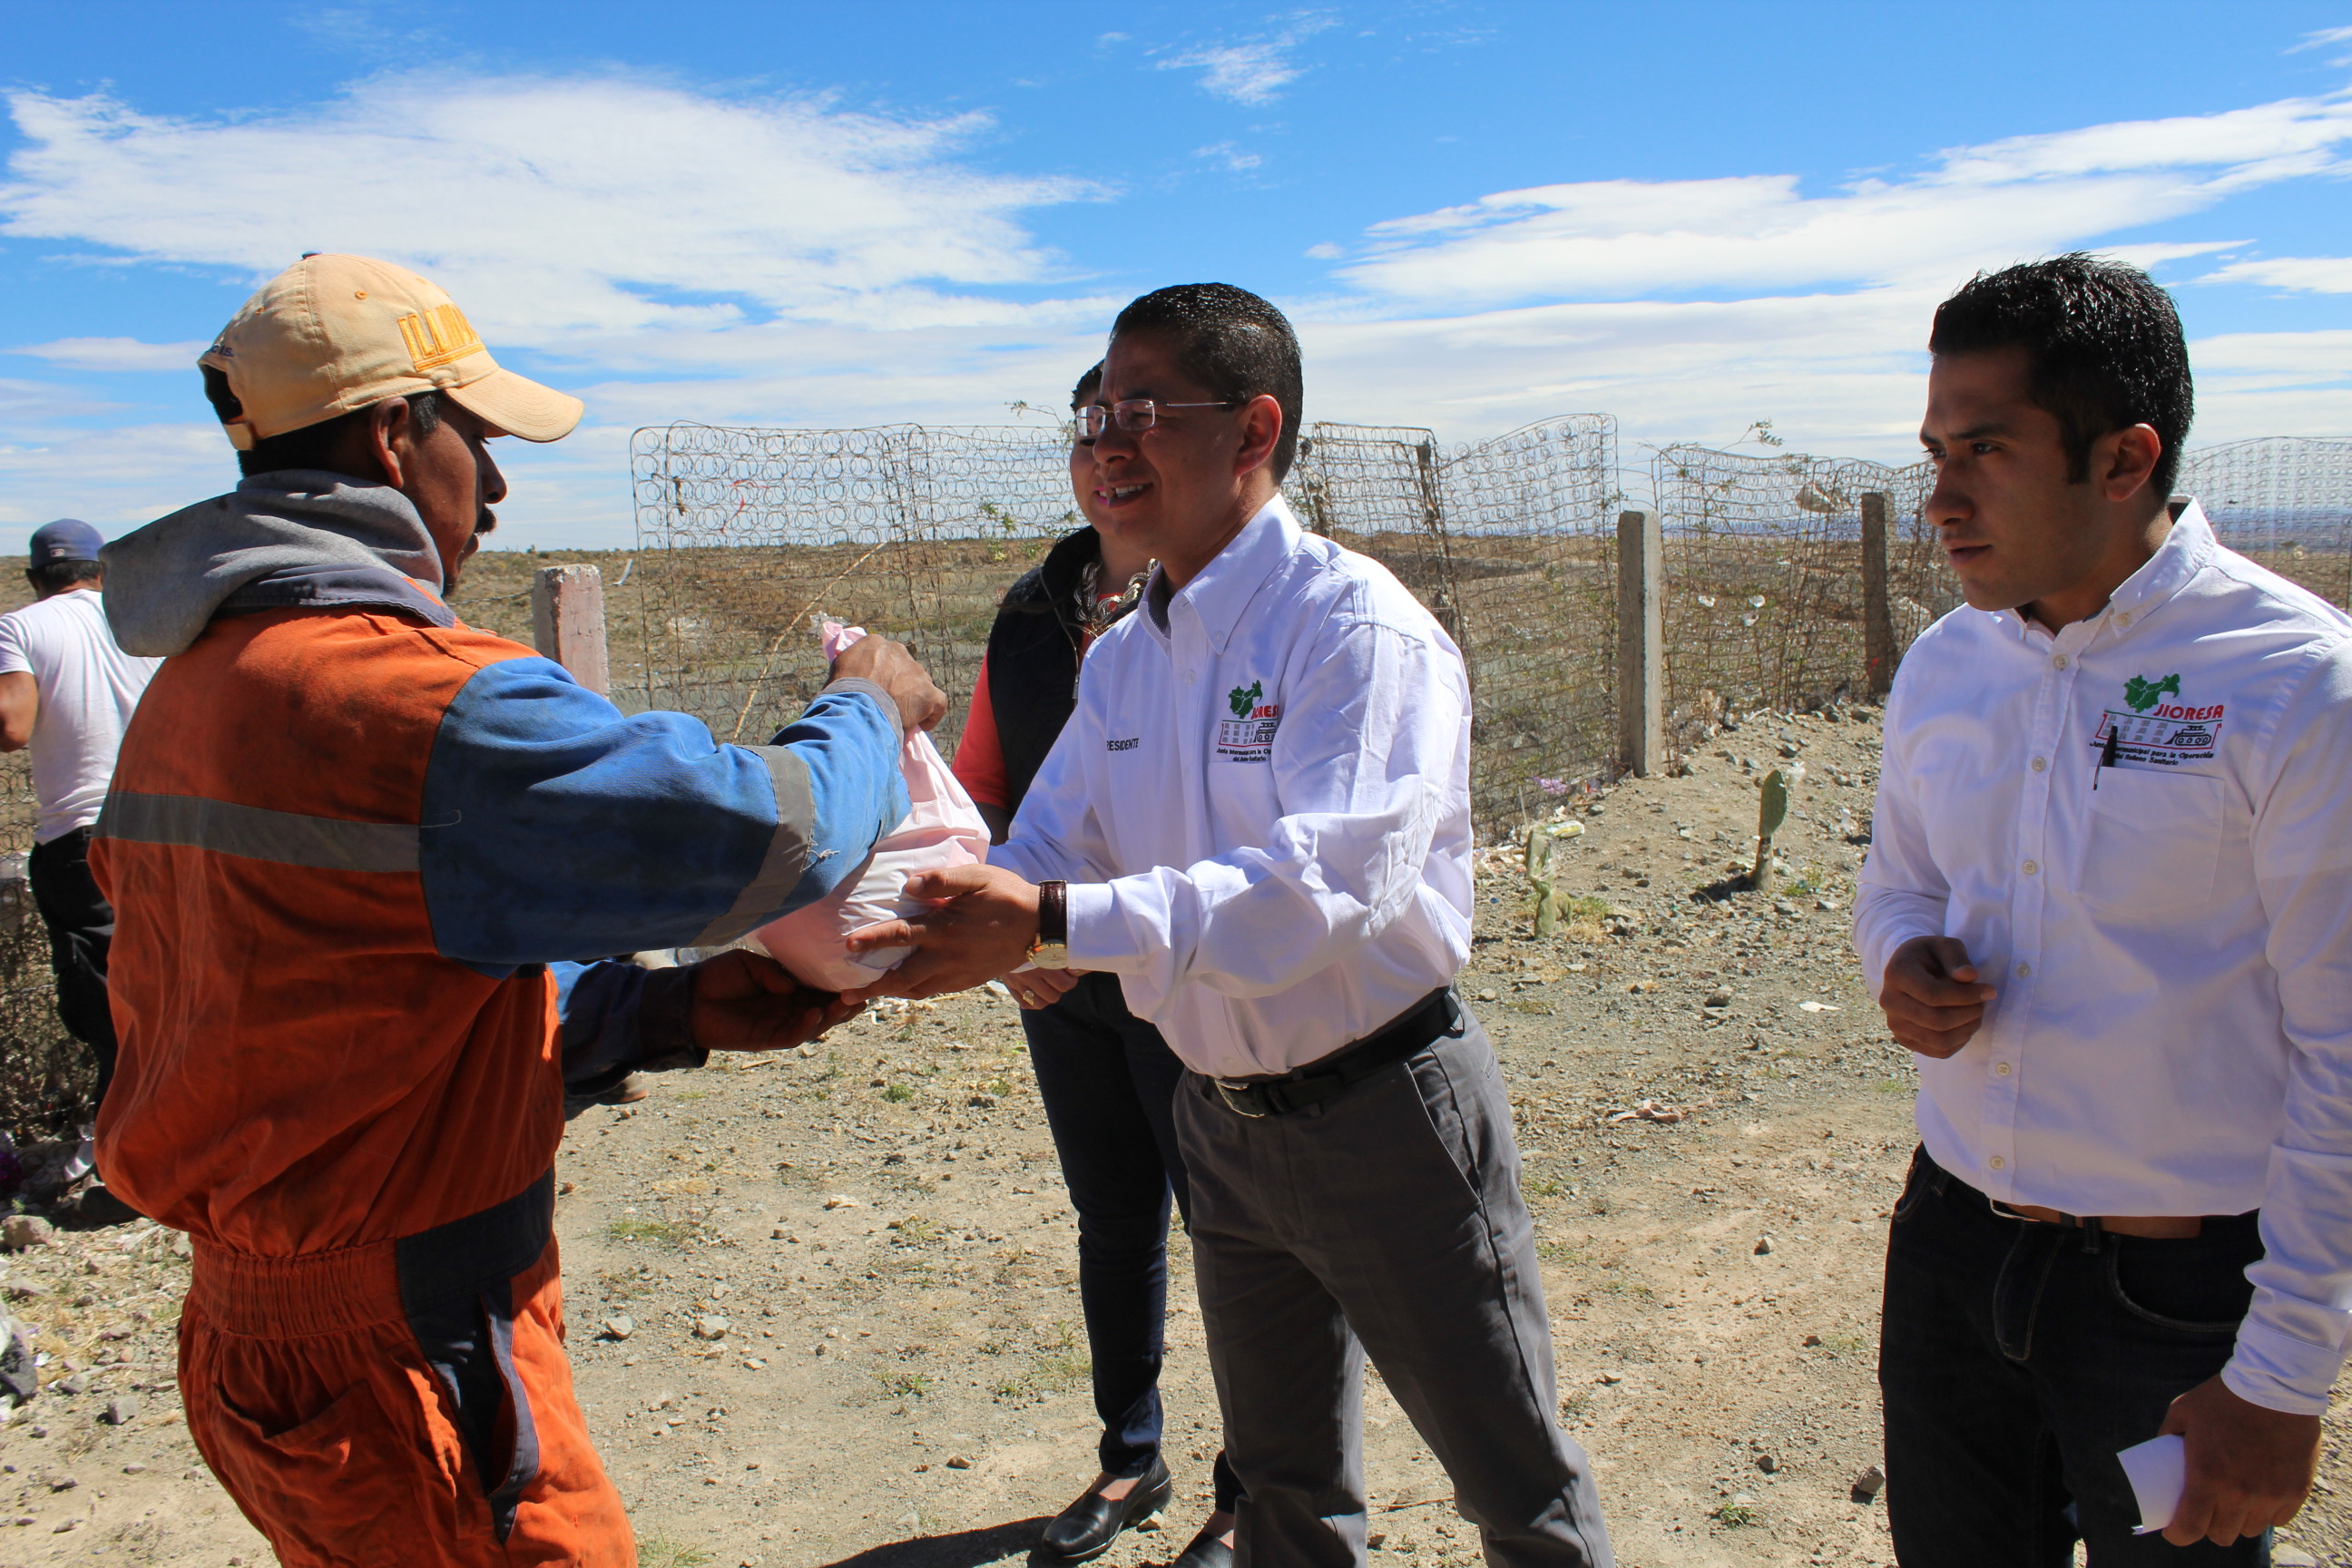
<point x="943" y="829"/>
<point x="2157" y="1470"/>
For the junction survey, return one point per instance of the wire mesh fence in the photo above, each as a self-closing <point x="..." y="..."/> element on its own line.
<point x="2285" y="502"/>
<point x="1510" y="542"/>
<point x="746" y="534"/>
<point x="1764" y="601"/>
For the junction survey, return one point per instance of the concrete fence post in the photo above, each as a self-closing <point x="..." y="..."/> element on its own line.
<point x="567" y="623"/>
<point x="1879" y="653"/>
<point x="1641" y="642"/>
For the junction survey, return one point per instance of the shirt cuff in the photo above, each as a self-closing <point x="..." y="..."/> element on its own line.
<point x="882" y="698"/>
<point x="1097" y="934"/>
<point x="2280" y="1371"/>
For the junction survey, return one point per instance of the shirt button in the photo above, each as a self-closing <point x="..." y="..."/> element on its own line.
<point x="1998" y="1163"/>
<point x="1190" y="677"/>
<point x="2001" y="1067"/>
<point x="2038" y="765"/>
<point x="2031" y="868"/>
<point x="2123" y="620"/>
<point x="2060" y="661"/>
<point x="2023" y="970"/>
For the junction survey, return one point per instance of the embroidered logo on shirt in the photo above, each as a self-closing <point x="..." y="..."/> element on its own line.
<point x="2157" y="734"/>
<point x="1248" y="735"/>
<point x="1126" y="745"/>
<point x="2143" y="693"/>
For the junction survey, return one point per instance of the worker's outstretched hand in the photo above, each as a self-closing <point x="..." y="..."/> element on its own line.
<point x="889" y="666"/>
<point x="744" y="1001"/>
<point x="980" y="923"/>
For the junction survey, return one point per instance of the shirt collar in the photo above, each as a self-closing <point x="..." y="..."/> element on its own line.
<point x="2188" y="549"/>
<point x="1225" y="586"/>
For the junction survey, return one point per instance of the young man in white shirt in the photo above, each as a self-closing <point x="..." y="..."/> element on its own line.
<point x="2109" y="905"/>
<point x="1259" y="819"/>
<point x="67" y="690"/>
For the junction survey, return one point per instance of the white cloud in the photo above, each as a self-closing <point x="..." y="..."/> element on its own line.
<point x="1976" y="206"/>
<point x="2322" y="39"/>
<point x="2309" y="274"/>
<point x="1233" y="158"/>
<point x="1251" y="73"/>
<point x="552" y="208"/>
<point x="687" y="257"/>
<point x="115" y="353"/>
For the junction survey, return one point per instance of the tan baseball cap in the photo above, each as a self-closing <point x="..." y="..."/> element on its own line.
<point x="335" y="333"/>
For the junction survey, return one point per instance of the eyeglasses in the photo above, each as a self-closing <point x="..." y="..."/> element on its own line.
<point x="1135" y="415"/>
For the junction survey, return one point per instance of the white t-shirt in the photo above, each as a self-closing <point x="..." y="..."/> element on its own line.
<point x="88" y="688"/>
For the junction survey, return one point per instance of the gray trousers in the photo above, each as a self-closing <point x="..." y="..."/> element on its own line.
<point x="1386" y="1220"/>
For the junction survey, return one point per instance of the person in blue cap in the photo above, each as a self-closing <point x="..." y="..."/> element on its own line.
<point x="65" y="691"/>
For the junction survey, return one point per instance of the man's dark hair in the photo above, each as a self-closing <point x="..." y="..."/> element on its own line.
<point x="56" y="576"/>
<point x="1231" y="343"/>
<point x="2102" y="343"/>
<point x="1088" y="386"/>
<point x="313" y="445"/>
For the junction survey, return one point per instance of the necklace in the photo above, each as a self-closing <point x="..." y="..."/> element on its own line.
<point x="1095" y="613"/>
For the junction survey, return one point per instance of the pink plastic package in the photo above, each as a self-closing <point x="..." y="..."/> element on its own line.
<point x="943" y="829"/>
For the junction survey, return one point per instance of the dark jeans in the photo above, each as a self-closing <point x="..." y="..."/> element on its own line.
<point x="1108" y="1081"/>
<point x="81" y="929"/>
<point x="2016" y="1360"/>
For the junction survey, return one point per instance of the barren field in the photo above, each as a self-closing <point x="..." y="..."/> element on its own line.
<point x="823" y="1308"/>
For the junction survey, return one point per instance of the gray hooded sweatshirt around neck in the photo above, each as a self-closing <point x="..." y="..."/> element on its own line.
<point x="298" y="538"/>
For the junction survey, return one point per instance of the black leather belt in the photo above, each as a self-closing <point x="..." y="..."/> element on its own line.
<point x="1437" y="1016"/>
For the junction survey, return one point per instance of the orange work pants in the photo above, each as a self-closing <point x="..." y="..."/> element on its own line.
<point x="340" y="1434"/>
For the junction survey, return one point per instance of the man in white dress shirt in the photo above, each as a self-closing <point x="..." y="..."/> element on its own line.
<point x="2109" y="905"/>
<point x="1259" y="819"/>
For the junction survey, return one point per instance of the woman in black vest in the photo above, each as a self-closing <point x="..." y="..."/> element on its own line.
<point x="1106" y="1076"/>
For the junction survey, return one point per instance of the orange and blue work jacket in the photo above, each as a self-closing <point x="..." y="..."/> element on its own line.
<point x="363" y="860"/>
<point x="358" y="853"/>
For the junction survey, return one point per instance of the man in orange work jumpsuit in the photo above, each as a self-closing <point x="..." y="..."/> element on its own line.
<point x="358" y="853"/>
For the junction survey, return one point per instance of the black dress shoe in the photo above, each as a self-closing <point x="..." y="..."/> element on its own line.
<point x="1206" y="1551"/>
<point x="1085" y="1529"/>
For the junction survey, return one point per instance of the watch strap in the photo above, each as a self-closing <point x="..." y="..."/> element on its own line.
<point x="1053" y="914"/>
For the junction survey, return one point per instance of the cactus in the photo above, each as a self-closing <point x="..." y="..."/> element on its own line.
<point x="1772" y="811"/>
<point x="1539" y="879"/>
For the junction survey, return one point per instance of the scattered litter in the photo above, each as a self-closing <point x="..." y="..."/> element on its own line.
<point x="1658" y="1111"/>
<point x="1867" y="1485"/>
<point x="1812" y="1006"/>
<point x="842" y="1201"/>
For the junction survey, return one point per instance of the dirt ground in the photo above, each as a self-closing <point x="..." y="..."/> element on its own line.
<point x="824" y="1311"/>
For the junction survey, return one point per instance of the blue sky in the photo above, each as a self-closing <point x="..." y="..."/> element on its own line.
<point x="1690" y="216"/>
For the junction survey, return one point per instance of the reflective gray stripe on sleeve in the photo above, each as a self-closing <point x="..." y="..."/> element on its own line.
<point x="788" y="851"/>
<point x="286" y="837"/>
